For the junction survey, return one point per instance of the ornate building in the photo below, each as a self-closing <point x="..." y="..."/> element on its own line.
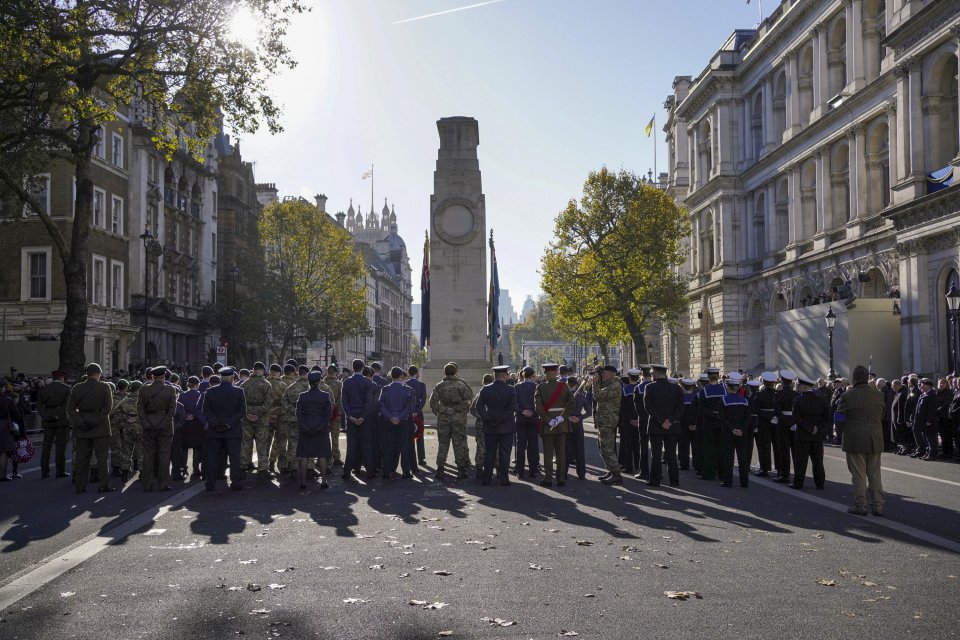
<point x="817" y="156"/>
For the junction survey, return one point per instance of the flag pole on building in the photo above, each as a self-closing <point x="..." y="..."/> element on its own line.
<point x="649" y="130"/>
<point x="369" y="174"/>
<point x="425" y="294"/>
<point x="493" y="305"/>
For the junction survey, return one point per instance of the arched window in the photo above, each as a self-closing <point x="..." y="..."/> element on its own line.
<point x="878" y="166"/>
<point x="805" y="84"/>
<point x="756" y="124"/>
<point x="839" y="185"/>
<point x="808" y="200"/>
<point x="779" y="106"/>
<point x="874" y="31"/>
<point x="782" y="213"/>
<point x="940" y="110"/>
<point x="760" y="226"/>
<point x="837" y="56"/>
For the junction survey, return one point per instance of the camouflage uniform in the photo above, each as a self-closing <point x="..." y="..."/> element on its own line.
<point x="289" y="403"/>
<point x="259" y="394"/>
<point x="278" y="452"/>
<point x="450" y="402"/>
<point x="478" y="436"/>
<point x="336" y="388"/>
<point x="126" y="418"/>
<point x="606" y="419"/>
<point x="117" y="427"/>
<point x="277" y="384"/>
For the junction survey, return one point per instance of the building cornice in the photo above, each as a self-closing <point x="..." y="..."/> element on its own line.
<point x="925" y="209"/>
<point x="920" y="26"/>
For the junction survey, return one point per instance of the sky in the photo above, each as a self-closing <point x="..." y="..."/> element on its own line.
<point x="559" y="88"/>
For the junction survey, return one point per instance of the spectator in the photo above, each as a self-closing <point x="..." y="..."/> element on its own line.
<point x="860" y="410"/>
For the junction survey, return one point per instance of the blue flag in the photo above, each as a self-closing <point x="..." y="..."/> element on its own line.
<point x="493" y="306"/>
<point x="425" y="296"/>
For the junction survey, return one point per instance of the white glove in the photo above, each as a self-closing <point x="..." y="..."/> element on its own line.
<point x="793" y="428"/>
<point x="774" y="420"/>
<point x="555" y="422"/>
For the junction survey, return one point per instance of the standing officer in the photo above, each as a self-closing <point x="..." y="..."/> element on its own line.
<point x="554" y="403"/>
<point x="812" y="413"/>
<point x="735" y="436"/>
<point x="117" y="427"/>
<point x="628" y="454"/>
<point x="224" y="407"/>
<point x="688" y="422"/>
<point x="605" y="418"/>
<point x="336" y="390"/>
<point x="663" y="403"/>
<point x="278" y="385"/>
<point x="359" y="400"/>
<point x="641" y="445"/>
<point x="528" y="424"/>
<point x="420" y="393"/>
<point x="582" y="409"/>
<point x="156" y="407"/>
<point x="765" y="406"/>
<point x="860" y="411"/>
<point x="256" y="424"/>
<point x="193" y="426"/>
<point x="783" y="425"/>
<point x="52" y="406"/>
<point x="925" y="420"/>
<point x="450" y="402"/>
<point x="288" y="403"/>
<point x="278" y="452"/>
<point x="396" y="408"/>
<point x="480" y="455"/>
<point x="88" y="410"/>
<point x="497" y="406"/>
<point x="378" y="423"/>
<point x="710" y="404"/>
<point x="128" y="413"/>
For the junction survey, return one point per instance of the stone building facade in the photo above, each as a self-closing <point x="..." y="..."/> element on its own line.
<point x="817" y="157"/>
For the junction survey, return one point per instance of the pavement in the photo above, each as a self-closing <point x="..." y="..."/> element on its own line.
<point x="274" y="561"/>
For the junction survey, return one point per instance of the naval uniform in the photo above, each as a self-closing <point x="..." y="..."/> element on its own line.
<point x="497" y="406"/>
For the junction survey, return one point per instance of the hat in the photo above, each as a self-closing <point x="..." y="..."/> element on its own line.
<point x="658" y="367"/>
<point x="769" y="377"/>
<point x="633" y="372"/>
<point x="452" y="364"/>
<point x="315" y="376"/>
<point x="376" y="366"/>
<point x="303" y="370"/>
<point x="527" y="371"/>
<point x="564" y="368"/>
<point x="92" y="368"/>
<point x="672" y="380"/>
<point x="609" y="367"/>
<point x="645" y="369"/>
<point x="123" y="383"/>
<point x="753" y="383"/>
<point x="158" y="371"/>
<point x="206" y="371"/>
<point x="289" y="368"/>
<point x="316" y="367"/>
<point x="503" y="369"/>
<point x="732" y="382"/>
<point x="244" y="372"/>
<point x="293" y="361"/>
<point x="193" y="380"/>
<point x="550" y="366"/>
<point x="688" y="382"/>
<point x="713" y="371"/>
<point x="396" y="372"/>
<point x="58" y="374"/>
<point x="134" y="386"/>
<point x="276" y="367"/>
<point x="174" y="377"/>
<point x="227" y="371"/>
<point x="807" y="380"/>
<point x="703" y="377"/>
<point x="331" y="368"/>
<point x="259" y="365"/>
<point x="735" y="375"/>
<point x="787" y="374"/>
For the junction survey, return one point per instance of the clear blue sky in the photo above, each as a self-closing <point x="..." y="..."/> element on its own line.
<point x="559" y="87"/>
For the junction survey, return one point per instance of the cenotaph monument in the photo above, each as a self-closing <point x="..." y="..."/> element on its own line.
<point x="458" y="258"/>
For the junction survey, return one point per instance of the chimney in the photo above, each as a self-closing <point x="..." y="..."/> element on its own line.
<point x="321" y="202"/>
<point x="341" y="218"/>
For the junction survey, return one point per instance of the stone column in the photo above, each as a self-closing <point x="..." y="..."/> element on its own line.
<point x="871" y="50"/>
<point x="769" y="129"/>
<point x="725" y="238"/>
<point x="724" y="157"/>
<point x="748" y="226"/>
<point x="823" y="189"/>
<point x="930" y="107"/>
<point x="793" y="95"/>
<point x="694" y="160"/>
<point x="855" y="67"/>
<point x="902" y="149"/>
<point x="915" y="107"/>
<point x="821" y="78"/>
<point x="796" y="203"/>
<point x="893" y="143"/>
<point x="747" y="133"/>
<point x="771" y="214"/>
<point x="858" y="171"/>
<point x="695" y="245"/>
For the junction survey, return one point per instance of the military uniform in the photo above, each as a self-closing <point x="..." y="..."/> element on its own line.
<point x="628" y="452"/>
<point x="88" y="410"/>
<point x="481" y="445"/>
<point x="582" y="409"/>
<point x="52" y="406"/>
<point x="735" y="437"/>
<point x="765" y="406"/>
<point x="157" y="406"/>
<point x="276" y="411"/>
<point x="528" y="447"/>
<point x="127" y="415"/>
<point x="278" y="452"/>
<point x="256" y="423"/>
<point x="813" y="418"/>
<point x="117" y="429"/>
<point x="605" y="418"/>
<point x="224" y="408"/>
<point x="783" y="427"/>
<point x="555" y="403"/>
<point x="336" y="389"/>
<point x="450" y="402"/>
<point x="688" y="426"/>
<point x="359" y="404"/>
<point x="288" y="402"/>
<point x="396" y="402"/>
<point x="497" y="406"/>
<point x="710" y="426"/>
<point x="663" y="401"/>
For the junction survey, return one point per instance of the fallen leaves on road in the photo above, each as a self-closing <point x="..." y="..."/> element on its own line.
<point x="67" y="594"/>
<point x="662" y="566"/>
<point x="283" y="570"/>
<point x="441" y="572"/>
<point x="259" y="612"/>
<point x="404" y="575"/>
<point x="589" y="595"/>
<point x="354" y="600"/>
<point x="274" y="585"/>
<point x="329" y="568"/>
<point x="628" y="547"/>
<point x="428" y="605"/>
<point x="535" y="567"/>
<point x="251" y="586"/>
<point x="445" y="633"/>
<point x="827" y="583"/>
<point x="564" y="632"/>
<point x="584" y="543"/>
<point x="867" y="583"/>
<point x="683" y="595"/>
<point x="498" y="622"/>
<point x="250" y="561"/>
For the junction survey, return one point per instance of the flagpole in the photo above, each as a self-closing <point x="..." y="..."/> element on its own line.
<point x="371" y="187"/>
<point x="653" y="133"/>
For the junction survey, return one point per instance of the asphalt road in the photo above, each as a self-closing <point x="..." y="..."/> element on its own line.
<point x="589" y="559"/>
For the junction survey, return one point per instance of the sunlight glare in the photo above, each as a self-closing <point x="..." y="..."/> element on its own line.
<point x="244" y="26"/>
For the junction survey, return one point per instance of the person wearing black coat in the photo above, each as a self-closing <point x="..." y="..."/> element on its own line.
<point x="897" y="410"/>
<point x="735" y="436"/>
<point x="926" y="422"/>
<point x="224" y="408"/>
<point x="497" y="406"/>
<point x="628" y="451"/>
<point x="663" y="404"/>
<point x="813" y="417"/>
<point x="944" y="424"/>
<point x="910" y="412"/>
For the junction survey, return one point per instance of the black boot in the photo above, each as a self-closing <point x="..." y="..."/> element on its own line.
<point x="614" y="478"/>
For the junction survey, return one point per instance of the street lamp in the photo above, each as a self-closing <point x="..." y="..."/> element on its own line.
<point x="147" y="237"/>
<point x="953" y="304"/>
<point x="830" y="319"/>
<point x="649" y="352"/>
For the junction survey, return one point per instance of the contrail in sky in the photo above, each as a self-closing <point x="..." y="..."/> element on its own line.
<point x="440" y="13"/>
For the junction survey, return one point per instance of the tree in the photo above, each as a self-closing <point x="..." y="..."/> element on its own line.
<point x="538" y="325"/>
<point x="72" y="65"/>
<point x="313" y="278"/>
<point x="612" y="263"/>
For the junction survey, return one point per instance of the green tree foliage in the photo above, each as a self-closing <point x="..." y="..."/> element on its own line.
<point x="70" y="66"/>
<point x="537" y="325"/>
<point x="611" y="267"/>
<point x="313" y="279"/>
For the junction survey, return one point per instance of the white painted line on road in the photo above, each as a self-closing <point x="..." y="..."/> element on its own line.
<point x="905" y="529"/>
<point x="906" y="473"/>
<point x="55" y="566"/>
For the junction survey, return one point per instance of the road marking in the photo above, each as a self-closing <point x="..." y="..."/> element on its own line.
<point x="54" y="566"/>
<point x="906" y="473"/>
<point x="905" y="529"/>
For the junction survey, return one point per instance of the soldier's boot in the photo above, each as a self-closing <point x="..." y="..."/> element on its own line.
<point x="479" y="472"/>
<point x="441" y="475"/>
<point x="614" y="478"/>
<point x="606" y="475"/>
<point x="462" y="473"/>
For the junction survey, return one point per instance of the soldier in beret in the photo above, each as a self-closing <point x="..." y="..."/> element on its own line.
<point x="88" y="410"/>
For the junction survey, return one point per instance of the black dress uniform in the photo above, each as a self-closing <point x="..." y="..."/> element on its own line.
<point x="710" y="425"/>
<point x="663" y="401"/>
<point x="628" y="454"/>
<point x="224" y="408"/>
<point x="688" y="424"/>
<point x="813" y="417"/>
<point x="783" y="426"/>
<point x="765" y="406"/>
<point x="642" y="445"/>
<point x="497" y="406"/>
<point x="735" y="436"/>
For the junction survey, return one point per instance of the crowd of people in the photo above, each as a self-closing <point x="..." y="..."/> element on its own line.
<point x="168" y="428"/>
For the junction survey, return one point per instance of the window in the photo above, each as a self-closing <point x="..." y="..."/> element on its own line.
<point x="35" y="273"/>
<point x="98" y="350"/>
<point x="213" y="291"/>
<point x="98" y="281"/>
<point x="39" y="188"/>
<point x="152" y="174"/>
<point x="98" y="147"/>
<point x="98" y="216"/>
<point x="117" y="150"/>
<point x="213" y="243"/>
<point x="171" y="287"/>
<point x="116" y="215"/>
<point x="152" y="218"/>
<point x="116" y="284"/>
<point x="184" y="290"/>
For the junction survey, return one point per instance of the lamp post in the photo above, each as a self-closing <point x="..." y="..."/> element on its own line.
<point x="147" y="236"/>
<point x="831" y="320"/>
<point x="234" y="273"/>
<point x="649" y="352"/>
<point x="953" y="305"/>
